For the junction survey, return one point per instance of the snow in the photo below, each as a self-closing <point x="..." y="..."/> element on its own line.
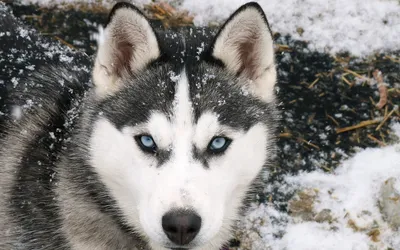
<point x="361" y="27"/>
<point x="397" y="185"/>
<point x="351" y="193"/>
<point x="358" y="26"/>
<point x="16" y="112"/>
<point x="312" y="235"/>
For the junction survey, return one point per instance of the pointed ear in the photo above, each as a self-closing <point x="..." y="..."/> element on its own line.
<point x="126" y="46"/>
<point x="245" y="46"/>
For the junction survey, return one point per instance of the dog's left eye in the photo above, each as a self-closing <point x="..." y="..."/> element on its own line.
<point x="218" y="145"/>
<point x="146" y="143"/>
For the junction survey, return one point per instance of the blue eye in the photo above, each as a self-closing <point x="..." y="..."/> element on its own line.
<point x="146" y="143"/>
<point x="218" y="145"/>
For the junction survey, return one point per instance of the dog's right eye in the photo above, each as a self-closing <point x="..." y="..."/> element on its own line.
<point x="146" y="143"/>
<point x="218" y="145"/>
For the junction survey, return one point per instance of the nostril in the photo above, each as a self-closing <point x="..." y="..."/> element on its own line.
<point x="171" y="229"/>
<point x="181" y="226"/>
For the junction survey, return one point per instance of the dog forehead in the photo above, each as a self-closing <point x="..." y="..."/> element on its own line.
<point x="202" y="89"/>
<point x="210" y="87"/>
<point x="213" y="90"/>
<point x="208" y="91"/>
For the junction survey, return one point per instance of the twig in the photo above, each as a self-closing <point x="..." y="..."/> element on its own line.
<point x="360" y="125"/>
<point x="392" y="59"/>
<point x="282" y="47"/>
<point x="326" y="168"/>
<point x="308" y="143"/>
<point x="64" y="42"/>
<point x="285" y="135"/>
<point x="313" y="83"/>
<point x="347" y="81"/>
<point x="354" y="73"/>
<point x="333" y="119"/>
<point x="386" y="118"/>
<point x="376" y="140"/>
<point x="386" y="111"/>
<point x="311" y="118"/>
<point x="372" y="101"/>
<point x="383" y="92"/>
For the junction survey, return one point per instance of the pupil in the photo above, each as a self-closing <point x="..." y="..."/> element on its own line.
<point x="218" y="142"/>
<point x="147" y="141"/>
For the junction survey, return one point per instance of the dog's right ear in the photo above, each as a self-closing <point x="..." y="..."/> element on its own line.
<point x="244" y="45"/>
<point x="126" y="46"/>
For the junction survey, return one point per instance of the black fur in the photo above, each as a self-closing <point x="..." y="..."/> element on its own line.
<point x="37" y="173"/>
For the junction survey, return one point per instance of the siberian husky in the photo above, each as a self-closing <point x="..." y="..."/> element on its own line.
<point x="168" y="146"/>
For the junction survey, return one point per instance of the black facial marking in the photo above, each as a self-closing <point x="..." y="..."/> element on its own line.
<point x="215" y="90"/>
<point x="162" y="156"/>
<point x="200" y="156"/>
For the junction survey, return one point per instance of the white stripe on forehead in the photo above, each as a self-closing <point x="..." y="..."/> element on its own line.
<point x="183" y="116"/>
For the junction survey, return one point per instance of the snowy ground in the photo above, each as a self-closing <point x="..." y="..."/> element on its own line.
<point x="358" y="26"/>
<point x="351" y="208"/>
<point x="340" y="210"/>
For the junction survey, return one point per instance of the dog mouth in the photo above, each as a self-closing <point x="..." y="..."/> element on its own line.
<point x="187" y="247"/>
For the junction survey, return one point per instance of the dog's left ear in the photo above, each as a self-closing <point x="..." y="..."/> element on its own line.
<point x="127" y="45"/>
<point x="245" y="46"/>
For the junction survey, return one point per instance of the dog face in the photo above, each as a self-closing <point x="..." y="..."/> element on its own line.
<point x="180" y="139"/>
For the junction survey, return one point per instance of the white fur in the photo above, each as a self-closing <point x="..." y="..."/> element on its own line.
<point x="146" y="192"/>
<point x="238" y="31"/>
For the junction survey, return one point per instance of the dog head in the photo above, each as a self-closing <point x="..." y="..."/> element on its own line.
<point x="184" y="123"/>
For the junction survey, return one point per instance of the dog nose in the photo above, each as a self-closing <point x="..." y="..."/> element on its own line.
<point x="181" y="226"/>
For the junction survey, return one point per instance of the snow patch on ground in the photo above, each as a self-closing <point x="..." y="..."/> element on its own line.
<point x="396" y="129"/>
<point x="351" y="194"/>
<point x="106" y="3"/>
<point x="358" y="26"/>
<point x="361" y="27"/>
<point x="313" y="235"/>
<point x="397" y="185"/>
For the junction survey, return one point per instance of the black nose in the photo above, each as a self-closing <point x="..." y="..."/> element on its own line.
<point x="181" y="226"/>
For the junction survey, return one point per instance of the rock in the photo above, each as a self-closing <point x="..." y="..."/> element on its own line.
<point x="390" y="202"/>
<point x="300" y="31"/>
<point x="302" y="205"/>
<point x="374" y="234"/>
<point x="252" y="241"/>
<point x="323" y="216"/>
<point x="362" y="222"/>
